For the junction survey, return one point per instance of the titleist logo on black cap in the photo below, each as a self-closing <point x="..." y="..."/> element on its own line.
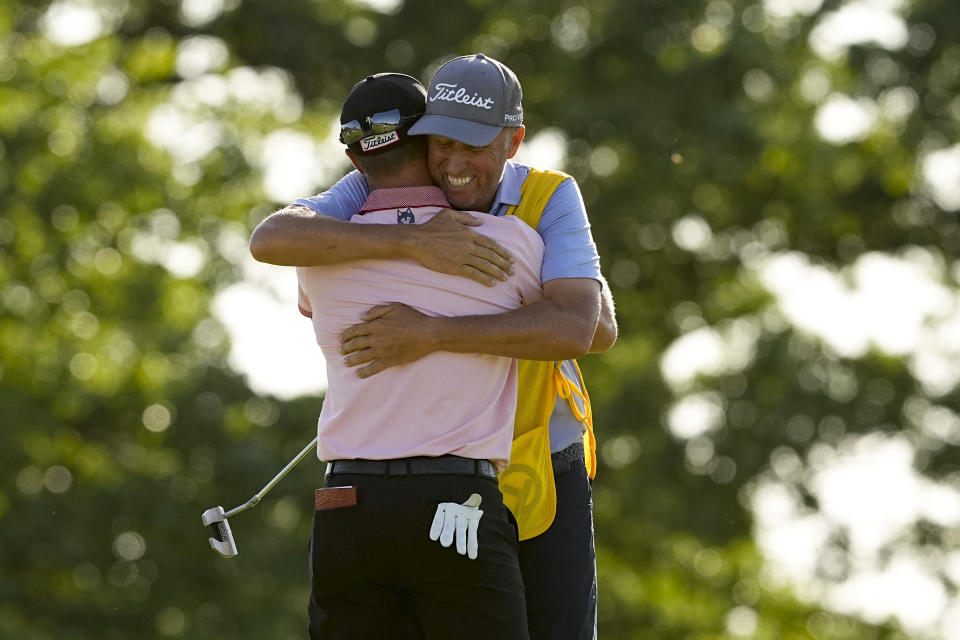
<point x="379" y="141"/>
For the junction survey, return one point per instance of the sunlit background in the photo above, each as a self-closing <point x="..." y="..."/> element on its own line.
<point x="855" y="507"/>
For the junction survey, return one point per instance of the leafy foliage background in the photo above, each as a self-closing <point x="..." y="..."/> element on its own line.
<point x="121" y="420"/>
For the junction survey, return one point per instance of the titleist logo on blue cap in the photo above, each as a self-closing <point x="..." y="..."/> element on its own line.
<point x="453" y="93"/>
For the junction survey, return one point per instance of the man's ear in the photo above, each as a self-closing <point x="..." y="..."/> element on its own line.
<point x="516" y="137"/>
<point x="353" y="159"/>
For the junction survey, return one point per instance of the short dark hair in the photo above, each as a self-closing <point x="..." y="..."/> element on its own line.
<point x="386" y="161"/>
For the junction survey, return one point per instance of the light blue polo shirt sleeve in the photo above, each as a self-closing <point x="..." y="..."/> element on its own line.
<point x="343" y="200"/>
<point x="569" y="248"/>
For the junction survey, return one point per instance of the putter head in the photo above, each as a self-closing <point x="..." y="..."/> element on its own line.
<point x="222" y="542"/>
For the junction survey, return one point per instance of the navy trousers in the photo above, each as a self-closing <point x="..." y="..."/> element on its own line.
<point x="559" y="566"/>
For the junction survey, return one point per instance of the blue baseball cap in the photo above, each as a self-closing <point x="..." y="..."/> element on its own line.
<point x="471" y="99"/>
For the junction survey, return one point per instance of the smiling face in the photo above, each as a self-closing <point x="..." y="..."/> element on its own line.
<point x="469" y="176"/>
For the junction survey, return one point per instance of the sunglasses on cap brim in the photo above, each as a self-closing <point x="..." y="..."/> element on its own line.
<point x="377" y="124"/>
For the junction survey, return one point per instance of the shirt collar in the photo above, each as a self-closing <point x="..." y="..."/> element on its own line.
<point x="394" y="197"/>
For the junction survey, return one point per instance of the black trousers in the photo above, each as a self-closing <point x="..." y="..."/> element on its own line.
<point x="376" y="574"/>
<point x="559" y="566"/>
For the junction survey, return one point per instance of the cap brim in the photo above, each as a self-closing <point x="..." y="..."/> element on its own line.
<point x="468" y="132"/>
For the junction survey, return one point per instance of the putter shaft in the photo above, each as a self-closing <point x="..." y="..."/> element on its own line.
<point x="252" y="502"/>
<point x="223" y="543"/>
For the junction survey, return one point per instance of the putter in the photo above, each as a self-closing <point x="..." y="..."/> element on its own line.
<point x="216" y="518"/>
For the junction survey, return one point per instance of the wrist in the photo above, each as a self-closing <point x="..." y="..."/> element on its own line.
<point x="442" y="333"/>
<point x="406" y="242"/>
<point x="434" y="335"/>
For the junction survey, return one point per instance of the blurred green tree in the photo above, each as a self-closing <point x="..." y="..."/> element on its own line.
<point x="704" y="136"/>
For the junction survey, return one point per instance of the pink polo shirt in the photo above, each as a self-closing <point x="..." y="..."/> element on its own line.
<point x="445" y="402"/>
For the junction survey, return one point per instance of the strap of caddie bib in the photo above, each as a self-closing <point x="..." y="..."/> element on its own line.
<point x="570" y="391"/>
<point x="535" y="192"/>
<point x="527" y="483"/>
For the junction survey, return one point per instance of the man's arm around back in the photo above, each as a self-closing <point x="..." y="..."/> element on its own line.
<point x="298" y="236"/>
<point x="560" y="326"/>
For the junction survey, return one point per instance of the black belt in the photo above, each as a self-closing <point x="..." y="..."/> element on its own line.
<point x="566" y="459"/>
<point x="417" y="466"/>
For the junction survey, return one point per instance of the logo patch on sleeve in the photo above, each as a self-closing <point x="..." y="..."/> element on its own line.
<point x="378" y="141"/>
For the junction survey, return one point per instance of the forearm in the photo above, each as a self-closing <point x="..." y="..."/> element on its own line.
<point x="299" y="237"/>
<point x="541" y="330"/>
<point x="606" y="333"/>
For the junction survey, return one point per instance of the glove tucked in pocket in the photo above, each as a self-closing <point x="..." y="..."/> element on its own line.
<point x="460" y="521"/>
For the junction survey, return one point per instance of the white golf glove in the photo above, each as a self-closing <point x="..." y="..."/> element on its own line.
<point x="460" y="521"/>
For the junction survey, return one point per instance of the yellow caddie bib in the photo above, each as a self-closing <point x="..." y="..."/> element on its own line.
<point x="527" y="483"/>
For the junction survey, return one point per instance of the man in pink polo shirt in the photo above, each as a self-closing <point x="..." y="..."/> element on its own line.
<point x="431" y="432"/>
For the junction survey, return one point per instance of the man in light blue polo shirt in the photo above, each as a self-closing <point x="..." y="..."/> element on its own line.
<point x="474" y="124"/>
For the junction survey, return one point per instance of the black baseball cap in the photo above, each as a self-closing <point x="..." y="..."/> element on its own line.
<point x="379" y="109"/>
